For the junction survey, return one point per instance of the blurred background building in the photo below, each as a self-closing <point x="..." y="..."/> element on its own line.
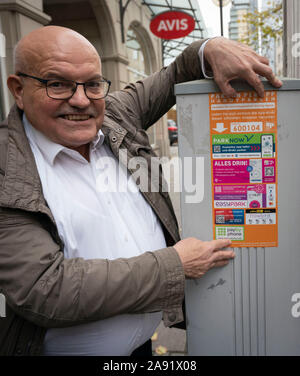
<point x="274" y="52"/>
<point x="291" y="38"/>
<point x="259" y="24"/>
<point x="119" y="29"/>
<point x="238" y="28"/>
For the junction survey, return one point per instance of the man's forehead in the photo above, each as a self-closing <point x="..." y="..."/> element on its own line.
<point x="70" y="56"/>
<point x="65" y="49"/>
<point x="59" y="59"/>
<point x="54" y="44"/>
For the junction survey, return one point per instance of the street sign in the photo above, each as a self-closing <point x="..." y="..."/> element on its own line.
<point x="172" y="25"/>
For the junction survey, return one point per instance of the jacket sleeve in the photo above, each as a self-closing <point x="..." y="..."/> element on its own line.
<point x="45" y="288"/>
<point x="152" y="97"/>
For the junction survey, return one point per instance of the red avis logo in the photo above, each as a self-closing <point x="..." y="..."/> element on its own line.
<point x="172" y="25"/>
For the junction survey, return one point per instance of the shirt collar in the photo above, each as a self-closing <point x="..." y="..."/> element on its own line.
<point x="50" y="149"/>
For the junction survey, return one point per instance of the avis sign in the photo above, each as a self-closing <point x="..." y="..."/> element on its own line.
<point x="172" y="25"/>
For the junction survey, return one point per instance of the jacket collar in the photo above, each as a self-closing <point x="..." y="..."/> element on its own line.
<point x="21" y="188"/>
<point x="50" y="149"/>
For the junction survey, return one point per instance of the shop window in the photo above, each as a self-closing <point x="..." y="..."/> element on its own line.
<point x="136" y="68"/>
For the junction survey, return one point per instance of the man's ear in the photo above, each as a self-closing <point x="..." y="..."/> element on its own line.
<point x="15" y="86"/>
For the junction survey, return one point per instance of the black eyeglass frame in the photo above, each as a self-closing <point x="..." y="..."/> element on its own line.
<point x="45" y="82"/>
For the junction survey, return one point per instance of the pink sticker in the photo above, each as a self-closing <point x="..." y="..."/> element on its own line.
<point x="230" y="171"/>
<point x="240" y="196"/>
<point x="244" y="171"/>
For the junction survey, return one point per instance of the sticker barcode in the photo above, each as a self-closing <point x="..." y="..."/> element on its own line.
<point x="220" y="219"/>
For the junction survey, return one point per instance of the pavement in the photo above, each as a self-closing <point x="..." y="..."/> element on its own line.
<point x="171" y="341"/>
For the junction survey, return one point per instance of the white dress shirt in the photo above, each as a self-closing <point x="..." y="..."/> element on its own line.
<point x="95" y="224"/>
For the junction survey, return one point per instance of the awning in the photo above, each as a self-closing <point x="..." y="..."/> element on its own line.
<point x="172" y="48"/>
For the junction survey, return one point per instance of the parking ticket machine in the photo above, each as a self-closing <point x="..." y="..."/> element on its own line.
<point x="245" y="155"/>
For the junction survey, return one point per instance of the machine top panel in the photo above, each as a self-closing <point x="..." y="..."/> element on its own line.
<point x="209" y="86"/>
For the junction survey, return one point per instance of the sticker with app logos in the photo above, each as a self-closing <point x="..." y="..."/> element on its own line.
<point x="244" y="168"/>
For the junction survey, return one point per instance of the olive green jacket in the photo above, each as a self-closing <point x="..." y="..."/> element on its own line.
<point x="45" y="290"/>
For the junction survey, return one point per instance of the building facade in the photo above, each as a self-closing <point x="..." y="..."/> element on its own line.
<point x="238" y="28"/>
<point x="279" y="57"/>
<point x="291" y="39"/>
<point x="129" y="51"/>
<point x="274" y="51"/>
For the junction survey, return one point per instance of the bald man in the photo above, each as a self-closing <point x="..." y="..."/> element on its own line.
<point x="87" y="271"/>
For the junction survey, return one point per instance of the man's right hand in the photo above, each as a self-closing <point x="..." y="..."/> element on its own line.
<point x="229" y="60"/>
<point x="198" y="257"/>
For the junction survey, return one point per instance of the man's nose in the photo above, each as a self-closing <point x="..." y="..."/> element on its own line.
<point x="79" y="99"/>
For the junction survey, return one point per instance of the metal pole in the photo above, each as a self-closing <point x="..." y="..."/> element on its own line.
<point x="221" y="15"/>
<point x="122" y="14"/>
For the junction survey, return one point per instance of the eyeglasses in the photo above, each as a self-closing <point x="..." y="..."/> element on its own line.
<point x="65" y="89"/>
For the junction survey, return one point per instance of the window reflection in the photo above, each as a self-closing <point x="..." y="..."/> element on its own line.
<point x="136" y="68"/>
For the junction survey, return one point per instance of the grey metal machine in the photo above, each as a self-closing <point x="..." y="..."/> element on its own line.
<point x="251" y="306"/>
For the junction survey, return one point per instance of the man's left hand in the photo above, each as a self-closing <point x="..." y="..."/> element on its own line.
<point x="230" y="60"/>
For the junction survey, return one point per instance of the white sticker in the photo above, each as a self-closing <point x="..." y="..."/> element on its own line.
<point x="232" y="232"/>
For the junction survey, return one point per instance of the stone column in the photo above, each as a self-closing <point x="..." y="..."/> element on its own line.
<point x="18" y="18"/>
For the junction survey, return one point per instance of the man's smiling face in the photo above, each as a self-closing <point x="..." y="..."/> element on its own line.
<point x="73" y="122"/>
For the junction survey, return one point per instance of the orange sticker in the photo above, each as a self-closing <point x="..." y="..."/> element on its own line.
<point x="244" y="168"/>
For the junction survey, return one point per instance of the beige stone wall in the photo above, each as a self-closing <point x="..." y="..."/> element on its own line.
<point x="38" y="4"/>
<point x="17" y="19"/>
<point x="172" y="114"/>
